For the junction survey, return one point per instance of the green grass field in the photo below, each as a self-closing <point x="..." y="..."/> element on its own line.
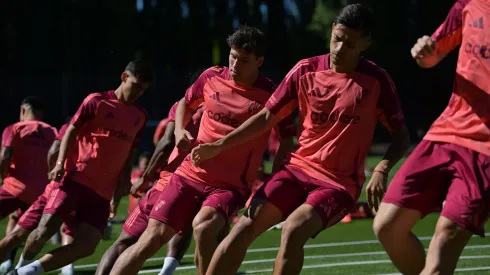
<point x="343" y="249"/>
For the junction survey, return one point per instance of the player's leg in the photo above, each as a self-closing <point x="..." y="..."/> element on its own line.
<point x="176" y="249"/>
<point x="465" y="211"/>
<point x="273" y="201"/>
<point x="9" y="204"/>
<point x="8" y="262"/>
<point x="174" y="211"/>
<point x="133" y="228"/>
<point x="218" y="209"/>
<point x="416" y="190"/>
<point x="12" y="240"/>
<point x="67" y="237"/>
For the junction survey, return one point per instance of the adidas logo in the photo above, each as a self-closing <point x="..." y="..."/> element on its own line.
<point x="478" y="23"/>
<point x="215" y="96"/>
<point x="109" y="115"/>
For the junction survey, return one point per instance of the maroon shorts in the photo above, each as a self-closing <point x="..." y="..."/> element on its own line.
<point x="289" y="188"/>
<point x="437" y="172"/>
<point x="73" y="197"/>
<point x="31" y="218"/>
<point x="182" y="199"/>
<point x="10" y="203"/>
<point x="137" y="221"/>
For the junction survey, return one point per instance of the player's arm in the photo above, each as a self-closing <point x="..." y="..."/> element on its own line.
<point x="53" y="154"/>
<point x="123" y="185"/>
<point x="66" y="143"/>
<point x="400" y="141"/>
<point x="286" y="131"/>
<point x="286" y="145"/>
<point x="430" y="50"/>
<point x="6" y="152"/>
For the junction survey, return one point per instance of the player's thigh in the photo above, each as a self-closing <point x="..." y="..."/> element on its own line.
<point x="422" y="181"/>
<point x="137" y="221"/>
<point x="87" y="237"/>
<point x="9" y="204"/>
<point x="177" y="205"/>
<point x="330" y="203"/>
<point x="467" y="202"/>
<point x="220" y="205"/>
<point x="31" y="218"/>
<point x="63" y="199"/>
<point x="93" y="210"/>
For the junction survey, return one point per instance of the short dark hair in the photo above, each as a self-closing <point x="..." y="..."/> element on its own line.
<point x="251" y="39"/>
<point x="35" y="103"/>
<point x="140" y="69"/>
<point x="358" y="17"/>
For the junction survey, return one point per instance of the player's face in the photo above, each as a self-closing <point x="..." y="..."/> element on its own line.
<point x="346" y="45"/>
<point x="243" y="66"/>
<point x="133" y="87"/>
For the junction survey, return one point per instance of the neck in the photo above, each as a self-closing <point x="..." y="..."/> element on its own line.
<point x="120" y="95"/>
<point x="344" y="68"/>
<point x="249" y="82"/>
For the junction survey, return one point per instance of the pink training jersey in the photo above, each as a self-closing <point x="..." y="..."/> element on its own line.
<point x="466" y="120"/>
<point x="227" y="106"/>
<point x="107" y="131"/>
<point x="338" y="115"/>
<point x="28" y="172"/>
<point x="177" y="157"/>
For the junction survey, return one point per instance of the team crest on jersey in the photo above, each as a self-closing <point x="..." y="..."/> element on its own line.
<point x="254" y="107"/>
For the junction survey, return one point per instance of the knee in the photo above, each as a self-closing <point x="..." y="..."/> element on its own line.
<point x="289" y="232"/>
<point x="205" y="230"/>
<point x="382" y="227"/>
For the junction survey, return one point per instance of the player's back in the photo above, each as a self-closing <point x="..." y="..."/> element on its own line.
<point x="466" y="120"/>
<point x="28" y="174"/>
<point x="227" y="106"/>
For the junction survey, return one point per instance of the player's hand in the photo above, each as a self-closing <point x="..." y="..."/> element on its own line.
<point x="183" y="139"/>
<point x="424" y="47"/>
<point x="136" y="187"/>
<point x="376" y="189"/>
<point x="57" y="173"/>
<point x="203" y="152"/>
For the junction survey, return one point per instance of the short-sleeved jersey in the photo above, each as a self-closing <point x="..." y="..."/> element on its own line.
<point x="160" y="130"/>
<point x="466" y="120"/>
<point x="28" y="172"/>
<point x="338" y="113"/>
<point x="107" y="131"/>
<point x="177" y="156"/>
<point x="227" y="106"/>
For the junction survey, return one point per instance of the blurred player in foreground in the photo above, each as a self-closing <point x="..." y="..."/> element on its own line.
<point x="23" y="164"/>
<point x="452" y="163"/>
<point x="341" y="96"/>
<point x="203" y="200"/>
<point x="106" y="128"/>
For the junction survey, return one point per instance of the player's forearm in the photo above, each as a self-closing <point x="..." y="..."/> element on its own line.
<point x="5" y="157"/>
<point x="286" y="145"/>
<point x="256" y="125"/>
<point x="159" y="158"/>
<point x="66" y="143"/>
<point x="182" y="114"/>
<point x="396" y="150"/>
<point x="53" y="154"/>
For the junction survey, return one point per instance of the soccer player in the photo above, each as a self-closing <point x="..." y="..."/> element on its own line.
<point x="340" y="96"/>
<point x="106" y="128"/>
<point x="451" y="163"/>
<point x="138" y="220"/>
<point x="160" y="130"/>
<point x="205" y="199"/>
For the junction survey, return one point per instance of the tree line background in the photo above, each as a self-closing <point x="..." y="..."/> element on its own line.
<point x="62" y="50"/>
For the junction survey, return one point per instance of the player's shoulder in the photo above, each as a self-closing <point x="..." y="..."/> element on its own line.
<point x="216" y="71"/>
<point x="309" y="65"/>
<point x="266" y="84"/>
<point x="95" y="98"/>
<point x="370" y="68"/>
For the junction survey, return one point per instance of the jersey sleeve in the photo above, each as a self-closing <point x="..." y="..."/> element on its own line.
<point x="389" y="108"/>
<point x="449" y="34"/>
<point x="195" y="93"/>
<point x="285" y="99"/>
<point x="86" y="111"/>
<point x="8" y="136"/>
<point x="160" y="131"/>
<point x="173" y="111"/>
<point x="62" y="131"/>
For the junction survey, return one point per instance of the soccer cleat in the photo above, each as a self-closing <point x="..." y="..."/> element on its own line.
<point x="68" y="271"/>
<point x="6" y="267"/>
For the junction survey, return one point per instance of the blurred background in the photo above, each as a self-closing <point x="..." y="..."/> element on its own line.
<point x="62" y="50"/>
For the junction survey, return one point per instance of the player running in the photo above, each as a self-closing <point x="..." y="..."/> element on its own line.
<point x="106" y="128"/>
<point x="23" y="164"/>
<point x="205" y="199"/>
<point x="340" y="96"/>
<point x="138" y="220"/>
<point x="452" y="162"/>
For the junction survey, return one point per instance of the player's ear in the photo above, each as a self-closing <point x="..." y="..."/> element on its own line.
<point x="124" y="76"/>
<point x="259" y="61"/>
